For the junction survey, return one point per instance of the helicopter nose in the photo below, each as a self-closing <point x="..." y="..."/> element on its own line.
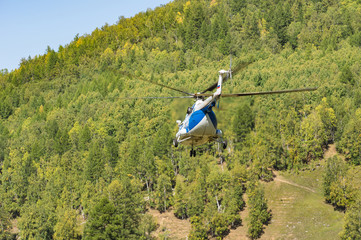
<point x="181" y="132"/>
<point x="219" y="133"/>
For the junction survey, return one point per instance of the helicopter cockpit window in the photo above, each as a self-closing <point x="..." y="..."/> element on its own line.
<point x="189" y="110"/>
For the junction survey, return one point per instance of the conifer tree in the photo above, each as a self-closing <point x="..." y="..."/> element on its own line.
<point x="352" y="226"/>
<point x="259" y="215"/>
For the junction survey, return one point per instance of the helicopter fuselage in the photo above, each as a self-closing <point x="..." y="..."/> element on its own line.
<point x="200" y="124"/>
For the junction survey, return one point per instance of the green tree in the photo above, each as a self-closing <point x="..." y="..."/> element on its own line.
<point x="352" y="225"/>
<point x="117" y="215"/>
<point x="180" y="201"/>
<point x="243" y="121"/>
<point x="259" y="214"/>
<point x="37" y="220"/>
<point x="162" y="140"/>
<point x="5" y="109"/>
<point x="198" y="231"/>
<point x="194" y="17"/>
<point x="281" y="20"/>
<point x="342" y="194"/>
<point x="350" y="142"/>
<point x="62" y="141"/>
<point x="219" y="226"/>
<point x="5" y="224"/>
<point x="334" y="170"/>
<point x="94" y="165"/>
<point x="163" y="193"/>
<point x="103" y="222"/>
<point x="147" y="225"/>
<point x="3" y="143"/>
<point x="67" y="226"/>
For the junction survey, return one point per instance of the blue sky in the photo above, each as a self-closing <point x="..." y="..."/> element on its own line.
<point x="29" y="26"/>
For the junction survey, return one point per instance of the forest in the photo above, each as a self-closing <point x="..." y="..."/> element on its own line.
<point x="78" y="161"/>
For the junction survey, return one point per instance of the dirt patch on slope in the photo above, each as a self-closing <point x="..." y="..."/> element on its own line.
<point x="170" y="226"/>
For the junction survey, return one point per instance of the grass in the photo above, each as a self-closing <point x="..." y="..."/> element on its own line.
<point x="299" y="213"/>
<point x="298" y="207"/>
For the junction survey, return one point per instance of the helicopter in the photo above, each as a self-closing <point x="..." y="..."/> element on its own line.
<point x="199" y="126"/>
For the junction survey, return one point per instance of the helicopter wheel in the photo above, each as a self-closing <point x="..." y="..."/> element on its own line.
<point x="224" y="144"/>
<point x="175" y="142"/>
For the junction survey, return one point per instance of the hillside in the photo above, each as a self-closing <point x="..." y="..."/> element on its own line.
<point x="298" y="209"/>
<point x="78" y="160"/>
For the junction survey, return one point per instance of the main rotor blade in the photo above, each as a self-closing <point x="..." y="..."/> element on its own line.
<point x="238" y="68"/>
<point x="268" y="92"/>
<point x="165" y="86"/>
<point x="156" y="97"/>
<point x="159" y="84"/>
<point x="211" y="88"/>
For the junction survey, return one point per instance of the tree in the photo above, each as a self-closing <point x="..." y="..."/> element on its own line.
<point x="197" y="198"/>
<point x="342" y="194"/>
<point x="94" y="164"/>
<point x="198" y="231"/>
<point x="67" y="226"/>
<point x="5" y="109"/>
<point x="234" y="203"/>
<point x="346" y="76"/>
<point x="194" y="17"/>
<point x="258" y="213"/>
<point x="117" y="215"/>
<point x="147" y="225"/>
<point x="5" y="224"/>
<point x="163" y="193"/>
<point x="350" y="142"/>
<point x="3" y="143"/>
<point x="62" y="142"/>
<point x="243" y="121"/>
<point x="238" y="5"/>
<point x="352" y="226"/>
<point x="219" y="225"/>
<point x="313" y="135"/>
<point x="180" y="201"/>
<point x="334" y="170"/>
<point x="103" y="222"/>
<point x="281" y="20"/>
<point x="50" y="62"/>
<point x="37" y="220"/>
<point x="162" y="140"/>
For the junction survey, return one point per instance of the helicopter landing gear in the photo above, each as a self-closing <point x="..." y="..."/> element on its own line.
<point x="175" y="142"/>
<point x="192" y="153"/>
<point x="224" y="144"/>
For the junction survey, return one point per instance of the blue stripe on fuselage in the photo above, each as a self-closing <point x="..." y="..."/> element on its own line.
<point x="197" y="116"/>
<point x="213" y="118"/>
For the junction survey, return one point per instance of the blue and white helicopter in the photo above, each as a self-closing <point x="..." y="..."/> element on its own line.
<point x="200" y="124"/>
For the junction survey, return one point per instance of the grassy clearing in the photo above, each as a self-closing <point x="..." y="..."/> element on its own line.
<point x="299" y="213"/>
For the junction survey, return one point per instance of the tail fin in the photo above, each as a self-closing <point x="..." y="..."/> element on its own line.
<point x="220" y="81"/>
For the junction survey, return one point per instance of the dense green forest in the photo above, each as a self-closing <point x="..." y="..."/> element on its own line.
<point x="77" y="160"/>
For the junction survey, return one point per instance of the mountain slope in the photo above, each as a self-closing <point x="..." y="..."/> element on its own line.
<point x="73" y="151"/>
